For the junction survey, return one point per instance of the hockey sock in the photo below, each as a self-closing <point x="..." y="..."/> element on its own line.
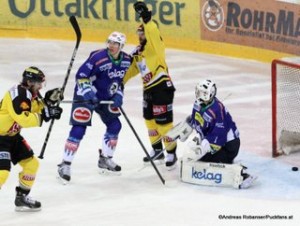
<point x="27" y="176"/>
<point x="71" y="148"/>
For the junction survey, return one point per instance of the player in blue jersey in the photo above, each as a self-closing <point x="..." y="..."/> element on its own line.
<point x="99" y="78"/>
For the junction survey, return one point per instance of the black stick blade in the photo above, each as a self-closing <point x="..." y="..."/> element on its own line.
<point x="76" y="28"/>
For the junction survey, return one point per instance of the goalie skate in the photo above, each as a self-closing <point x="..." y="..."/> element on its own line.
<point x="248" y="181"/>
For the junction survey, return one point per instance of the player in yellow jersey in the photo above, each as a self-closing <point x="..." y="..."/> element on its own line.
<point x="22" y="108"/>
<point x="148" y="59"/>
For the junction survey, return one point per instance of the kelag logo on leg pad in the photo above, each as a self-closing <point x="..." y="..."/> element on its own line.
<point x="203" y="175"/>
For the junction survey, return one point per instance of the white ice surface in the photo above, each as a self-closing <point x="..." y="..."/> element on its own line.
<point x="137" y="197"/>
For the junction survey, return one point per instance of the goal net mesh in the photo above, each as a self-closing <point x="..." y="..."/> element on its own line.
<point x="286" y="105"/>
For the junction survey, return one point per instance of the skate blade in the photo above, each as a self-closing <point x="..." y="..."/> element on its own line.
<point x="62" y="180"/>
<point x="107" y="172"/>
<point x="157" y="162"/>
<point x="170" y="168"/>
<point x="249" y="182"/>
<point x="26" y="209"/>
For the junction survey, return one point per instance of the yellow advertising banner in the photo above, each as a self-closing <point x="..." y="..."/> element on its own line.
<point x="268" y="24"/>
<point x="201" y="25"/>
<point x="175" y="17"/>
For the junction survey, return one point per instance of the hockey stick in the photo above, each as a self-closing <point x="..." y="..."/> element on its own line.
<point x="76" y="28"/>
<point x="143" y="147"/>
<point x="85" y="101"/>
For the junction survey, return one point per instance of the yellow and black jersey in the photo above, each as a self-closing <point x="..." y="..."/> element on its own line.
<point x="19" y="109"/>
<point x="150" y="62"/>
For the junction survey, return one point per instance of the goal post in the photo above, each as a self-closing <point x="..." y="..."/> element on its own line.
<point x="285" y="106"/>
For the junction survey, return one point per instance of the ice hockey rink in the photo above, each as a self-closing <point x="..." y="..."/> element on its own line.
<point x="138" y="197"/>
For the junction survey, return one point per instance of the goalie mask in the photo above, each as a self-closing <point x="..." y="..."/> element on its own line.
<point x="205" y="91"/>
<point x="117" y="37"/>
<point x="33" y="74"/>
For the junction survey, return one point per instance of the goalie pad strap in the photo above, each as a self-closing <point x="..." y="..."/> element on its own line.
<point x="211" y="174"/>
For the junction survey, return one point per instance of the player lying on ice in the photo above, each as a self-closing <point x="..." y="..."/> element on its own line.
<point x="210" y="161"/>
<point x="20" y="108"/>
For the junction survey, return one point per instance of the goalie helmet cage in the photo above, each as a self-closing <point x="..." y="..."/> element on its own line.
<point x="285" y="106"/>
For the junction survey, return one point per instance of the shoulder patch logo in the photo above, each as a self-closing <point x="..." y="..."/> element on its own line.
<point x="24" y="106"/>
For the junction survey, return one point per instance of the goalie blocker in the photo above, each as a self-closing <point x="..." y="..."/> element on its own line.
<point x="215" y="174"/>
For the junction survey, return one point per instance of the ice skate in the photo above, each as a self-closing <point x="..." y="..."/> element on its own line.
<point x="64" y="172"/>
<point x="171" y="161"/>
<point x="156" y="155"/>
<point x="24" y="203"/>
<point x="248" y="181"/>
<point x="108" y="166"/>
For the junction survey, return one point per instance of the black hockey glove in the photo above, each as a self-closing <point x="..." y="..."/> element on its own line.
<point x="143" y="11"/>
<point x="53" y="96"/>
<point x="51" y="112"/>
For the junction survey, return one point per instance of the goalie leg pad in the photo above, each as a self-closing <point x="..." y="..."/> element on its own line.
<point x="181" y="130"/>
<point x="211" y="174"/>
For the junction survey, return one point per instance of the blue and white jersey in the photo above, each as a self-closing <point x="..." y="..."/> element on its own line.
<point x="103" y="73"/>
<point x="214" y="123"/>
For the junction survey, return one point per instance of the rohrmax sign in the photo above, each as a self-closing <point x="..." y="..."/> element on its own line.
<point x="265" y="24"/>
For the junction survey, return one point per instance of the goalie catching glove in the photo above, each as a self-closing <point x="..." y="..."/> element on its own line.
<point x="53" y="96"/>
<point x="199" y="148"/>
<point x="51" y="112"/>
<point x="182" y="130"/>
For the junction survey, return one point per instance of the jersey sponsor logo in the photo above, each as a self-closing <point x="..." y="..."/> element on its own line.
<point x="113" y="88"/>
<point x="203" y="175"/>
<point x="116" y="74"/>
<point x="169" y="83"/>
<point x="197" y="106"/>
<point x="89" y="66"/>
<point x="152" y="133"/>
<point x="220" y="125"/>
<point x="159" y="109"/>
<point x="15" y="128"/>
<point x="105" y="67"/>
<point x="28" y="177"/>
<point x="5" y="155"/>
<point x="199" y="119"/>
<point x="113" y="110"/>
<point x="82" y="114"/>
<point x="125" y="64"/>
<point x="82" y="75"/>
<point x="147" y="78"/>
<point x="207" y="117"/>
<point x="24" y="105"/>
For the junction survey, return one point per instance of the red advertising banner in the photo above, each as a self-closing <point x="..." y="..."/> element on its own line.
<point x="267" y="24"/>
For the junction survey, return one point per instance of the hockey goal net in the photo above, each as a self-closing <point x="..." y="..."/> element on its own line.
<point x="285" y="106"/>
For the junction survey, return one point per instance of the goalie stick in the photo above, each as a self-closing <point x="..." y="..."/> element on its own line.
<point x="142" y="145"/>
<point x="76" y="28"/>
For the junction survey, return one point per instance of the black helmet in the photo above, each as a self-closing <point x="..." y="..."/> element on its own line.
<point x="33" y="74"/>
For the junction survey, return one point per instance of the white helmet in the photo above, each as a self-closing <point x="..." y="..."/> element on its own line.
<point x="117" y="37"/>
<point x="205" y="91"/>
